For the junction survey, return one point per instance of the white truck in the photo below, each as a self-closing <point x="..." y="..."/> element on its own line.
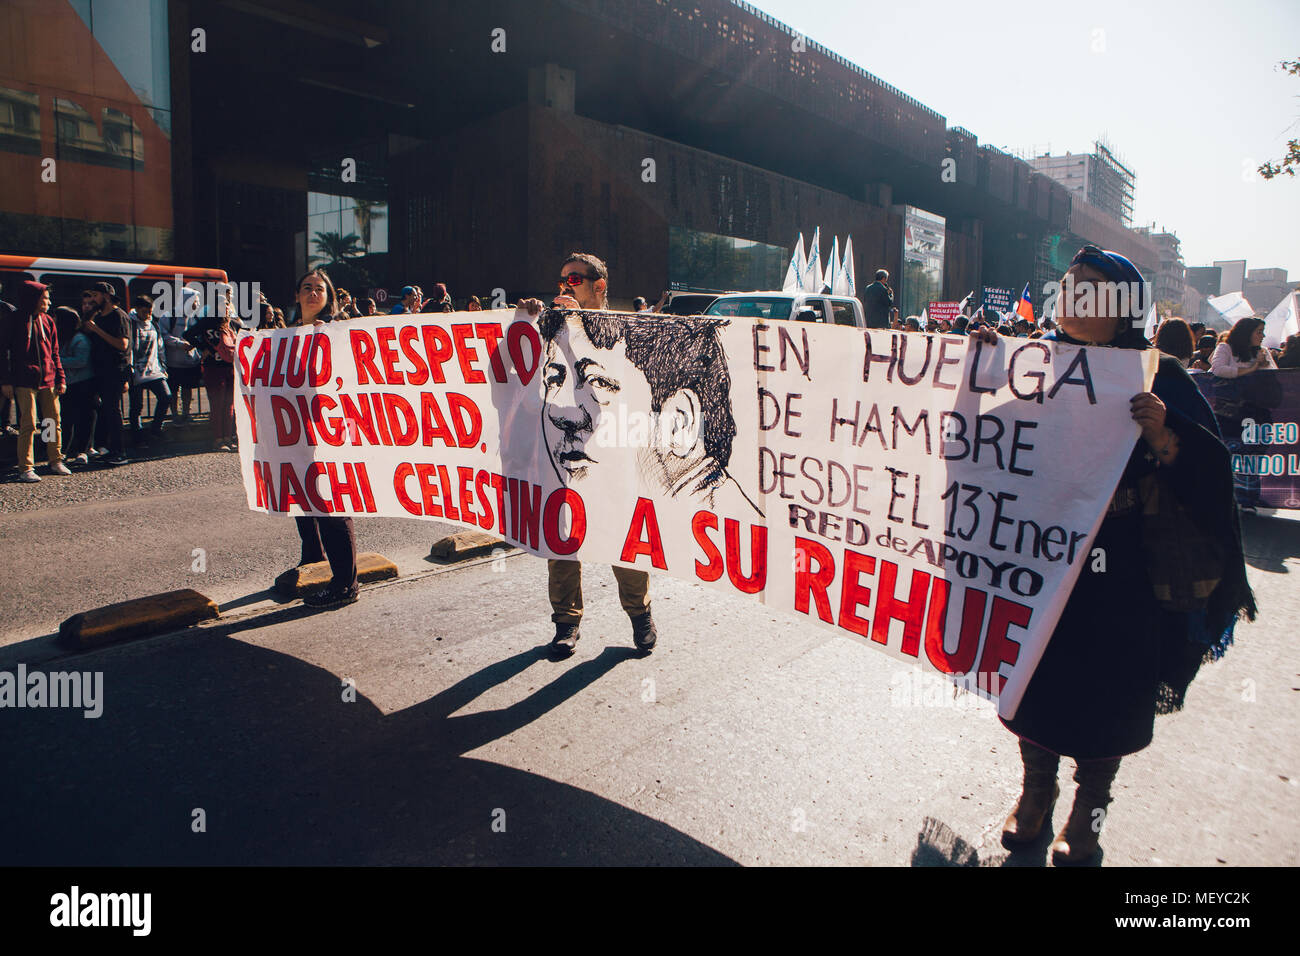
<point x="800" y="306"/>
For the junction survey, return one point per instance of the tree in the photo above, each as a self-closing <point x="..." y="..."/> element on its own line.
<point x="333" y="248"/>
<point x="1291" y="161"/>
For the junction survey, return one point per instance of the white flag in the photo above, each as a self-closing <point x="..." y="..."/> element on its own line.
<point x="794" y="275"/>
<point x="833" y="267"/>
<point x="1149" y="330"/>
<point x="1283" y="321"/>
<point x="812" y="275"/>
<point x="850" y="283"/>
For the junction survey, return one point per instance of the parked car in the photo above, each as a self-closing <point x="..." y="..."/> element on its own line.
<point x="686" y="303"/>
<point x="800" y="306"/>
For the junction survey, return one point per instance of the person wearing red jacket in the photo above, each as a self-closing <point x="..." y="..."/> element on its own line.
<point x="32" y="374"/>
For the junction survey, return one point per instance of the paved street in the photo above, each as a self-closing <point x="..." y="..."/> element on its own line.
<point x="746" y="738"/>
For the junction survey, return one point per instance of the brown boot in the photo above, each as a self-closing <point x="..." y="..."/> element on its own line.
<point x="1039" y="794"/>
<point x="1079" y="840"/>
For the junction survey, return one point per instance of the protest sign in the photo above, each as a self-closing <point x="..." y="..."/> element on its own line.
<point x="925" y="494"/>
<point x="938" y="311"/>
<point x="1259" y="418"/>
<point x="996" y="299"/>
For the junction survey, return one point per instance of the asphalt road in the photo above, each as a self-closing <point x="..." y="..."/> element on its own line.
<point x="425" y="725"/>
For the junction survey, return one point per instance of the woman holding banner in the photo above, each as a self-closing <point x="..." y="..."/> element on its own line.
<point x="326" y="538"/>
<point x="1159" y="593"/>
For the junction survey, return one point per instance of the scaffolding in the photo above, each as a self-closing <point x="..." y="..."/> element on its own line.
<point x="1110" y="187"/>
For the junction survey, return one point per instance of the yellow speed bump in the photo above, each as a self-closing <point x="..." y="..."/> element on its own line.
<point x="155" y="614"/>
<point x="466" y="544"/>
<point x="307" y="578"/>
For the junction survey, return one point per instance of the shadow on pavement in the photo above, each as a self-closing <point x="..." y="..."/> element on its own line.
<point x="286" y="772"/>
<point x="1269" y="542"/>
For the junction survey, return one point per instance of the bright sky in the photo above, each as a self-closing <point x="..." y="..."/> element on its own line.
<point x="1188" y="94"/>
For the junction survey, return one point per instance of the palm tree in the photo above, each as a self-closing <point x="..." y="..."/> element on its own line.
<point x="367" y="212"/>
<point x="332" y="248"/>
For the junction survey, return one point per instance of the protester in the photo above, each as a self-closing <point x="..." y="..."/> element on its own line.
<point x="326" y="537"/>
<point x="368" y="307"/>
<point x="1290" y="357"/>
<point x="77" y="404"/>
<point x="960" y="325"/>
<point x="347" y="309"/>
<point x="280" y="321"/>
<point x="1134" y="630"/>
<point x="912" y="323"/>
<point x="409" y="303"/>
<point x="31" y="374"/>
<point x="473" y="305"/>
<point x="109" y="330"/>
<point x="1241" y="353"/>
<point x="150" y="371"/>
<point x="878" y="301"/>
<point x="1174" y="337"/>
<point x="584" y="281"/>
<point x="180" y="358"/>
<point x="1204" y="349"/>
<point x="6" y="404"/>
<point x="441" y="298"/>
<point x="639" y="304"/>
<point x="214" y="337"/>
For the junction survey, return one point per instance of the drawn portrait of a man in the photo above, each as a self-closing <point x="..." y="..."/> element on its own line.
<point x="640" y="395"/>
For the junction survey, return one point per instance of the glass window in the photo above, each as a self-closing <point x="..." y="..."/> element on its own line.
<point x="843" y="313"/>
<point x="66" y="289"/>
<point x="705" y="260"/>
<point x="752" y="307"/>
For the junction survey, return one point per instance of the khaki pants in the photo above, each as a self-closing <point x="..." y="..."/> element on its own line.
<point x="28" y="399"/>
<point x="565" y="587"/>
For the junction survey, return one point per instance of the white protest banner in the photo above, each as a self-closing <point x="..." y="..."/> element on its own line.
<point x="931" y="495"/>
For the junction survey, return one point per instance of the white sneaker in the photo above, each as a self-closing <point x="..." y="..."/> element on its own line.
<point x="29" y="476"/>
<point x="81" y="459"/>
<point x="98" y="452"/>
<point x="59" y="468"/>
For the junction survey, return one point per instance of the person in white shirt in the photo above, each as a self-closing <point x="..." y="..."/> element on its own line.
<point x="1242" y="353"/>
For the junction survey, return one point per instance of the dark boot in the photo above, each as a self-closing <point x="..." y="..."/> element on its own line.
<point x="1078" y="841"/>
<point x="1038" y="796"/>
<point x="644" y="634"/>
<point x="566" y="638"/>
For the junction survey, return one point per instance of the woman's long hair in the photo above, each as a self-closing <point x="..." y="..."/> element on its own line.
<point x="331" y="297"/>
<point x="1175" y="338"/>
<point x="66" y="322"/>
<point x="1239" y="339"/>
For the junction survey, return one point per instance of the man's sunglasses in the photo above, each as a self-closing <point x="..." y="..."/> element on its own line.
<point x="576" y="279"/>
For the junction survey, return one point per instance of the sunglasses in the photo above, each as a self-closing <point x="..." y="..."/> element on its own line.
<point x="576" y="279"/>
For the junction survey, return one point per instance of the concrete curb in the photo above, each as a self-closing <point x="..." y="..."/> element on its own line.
<point x="466" y="544"/>
<point x="141" y="617"/>
<point x="307" y="578"/>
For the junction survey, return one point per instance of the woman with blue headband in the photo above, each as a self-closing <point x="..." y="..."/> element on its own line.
<point x="1136" y="629"/>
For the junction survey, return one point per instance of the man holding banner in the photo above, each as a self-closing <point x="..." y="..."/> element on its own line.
<point x="583" y="285"/>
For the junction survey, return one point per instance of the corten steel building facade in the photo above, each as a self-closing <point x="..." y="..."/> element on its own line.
<point x="686" y="141"/>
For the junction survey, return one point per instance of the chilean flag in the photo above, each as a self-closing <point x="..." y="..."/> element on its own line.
<point x="1025" y="307"/>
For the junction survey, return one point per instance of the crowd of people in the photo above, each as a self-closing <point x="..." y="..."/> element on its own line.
<point x="1173" y="587"/>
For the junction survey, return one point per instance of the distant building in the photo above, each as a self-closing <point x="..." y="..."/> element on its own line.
<point x="1233" y="275"/>
<point x="1098" y="178"/>
<point x="1265" y="288"/>
<point x="1169" y="279"/>
<point x="1205" y="279"/>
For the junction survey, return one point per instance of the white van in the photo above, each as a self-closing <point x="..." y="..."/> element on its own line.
<point x="800" y="306"/>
